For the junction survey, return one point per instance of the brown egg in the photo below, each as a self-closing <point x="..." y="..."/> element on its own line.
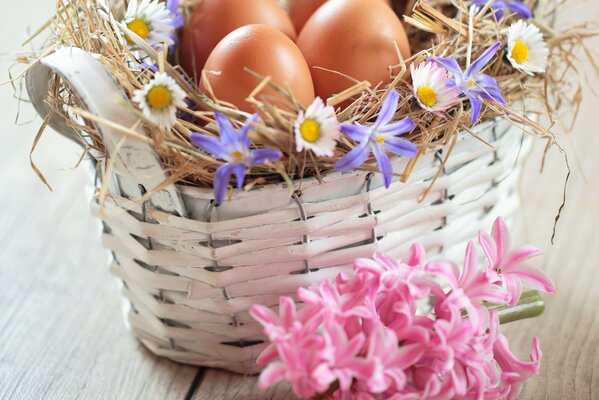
<point x="354" y="37"/>
<point x="212" y="20"/>
<point x="266" y="51"/>
<point x="301" y="10"/>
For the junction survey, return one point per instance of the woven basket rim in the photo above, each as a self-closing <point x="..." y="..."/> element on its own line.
<point x="331" y="176"/>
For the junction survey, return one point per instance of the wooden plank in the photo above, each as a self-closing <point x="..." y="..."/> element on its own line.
<point x="61" y="326"/>
<point x="224" y="385"/>
<point x="62" y="332"/>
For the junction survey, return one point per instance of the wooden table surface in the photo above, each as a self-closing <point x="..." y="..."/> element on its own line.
<point x="62" y="334"/>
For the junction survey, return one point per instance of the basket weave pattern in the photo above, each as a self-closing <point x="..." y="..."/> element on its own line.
<point x="190" y="281"/>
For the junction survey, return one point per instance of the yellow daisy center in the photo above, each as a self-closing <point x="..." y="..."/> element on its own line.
<point x="472" y="82"/>
<point x="520" y="52"/>
<point x="159" y="97"/>
<point x="380" y="139"/>
<point x="237" y="155"/>
<point x="139" y="27"/>
<point x="427" y="96"/>
<point x="310" y="130"/>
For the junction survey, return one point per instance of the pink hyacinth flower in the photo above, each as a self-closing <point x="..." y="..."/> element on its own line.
<point x="469" y="289"/>
<point x="508" y="265"/>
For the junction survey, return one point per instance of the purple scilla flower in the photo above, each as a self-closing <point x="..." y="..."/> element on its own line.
<point x="473" y="83"/>
<point x="177" y="21"/>
<point x="500" y="7"/>
<point x="234" y="148"/>
<point x="379" y="138"/>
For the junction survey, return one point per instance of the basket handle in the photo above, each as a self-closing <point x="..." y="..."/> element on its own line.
<point x="100" y="93"/>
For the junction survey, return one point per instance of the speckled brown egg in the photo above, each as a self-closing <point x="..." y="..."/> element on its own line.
<point x="354" y="37"/>
<point x="212" y="20"/>
<point x="301" y="10"/>
<point x="264" y="50"/>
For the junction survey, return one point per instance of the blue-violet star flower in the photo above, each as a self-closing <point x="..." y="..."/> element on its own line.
<point x="177" y="20"/>
<point x="234" y="148"/>
<point x="500" y="7"/>
<point x="473" y="83"/>
<point x="380" y="137"/>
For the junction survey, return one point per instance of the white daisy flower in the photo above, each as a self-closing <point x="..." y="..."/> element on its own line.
<point x="159" y="100"/>
<point x="151" y="21"/>
<point x="432" y="88"/>
<point x="527" y="51"/>
<point x="317" y="129"/>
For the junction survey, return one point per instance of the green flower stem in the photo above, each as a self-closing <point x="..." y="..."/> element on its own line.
<point x="531" y="305"/>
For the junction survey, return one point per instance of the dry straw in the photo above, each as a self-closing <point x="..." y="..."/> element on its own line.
<point x="435" y="27"/>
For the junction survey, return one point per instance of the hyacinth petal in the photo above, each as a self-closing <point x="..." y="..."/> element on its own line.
<point x="287" y="310"/>
<point x="274" y="373"/>
<point x="357" y="133"/>
<point x="518" y="256"/>
<point x="400" y="127"/>
<point x="387" y="110"/>
<point x="264" y="315"/>
<point x="470" y="270"/>
<point x="501" y="236"/>
<point x="209" y="144"/>
<point x="415" y="256"/>
<point x="260" y="156"/>
<point x="384" y="164"/>
<point x="489" y="248"/>
<point x="267" y="355"/>
<point x="356" y="157"/>
<point x="532" y="278"/>
<point x="401" y="147"/>
<point x="449" y="64"/>
<point x="221" y="181"/>
<point x="477" y="66"/>
<point x="445" y="269"/>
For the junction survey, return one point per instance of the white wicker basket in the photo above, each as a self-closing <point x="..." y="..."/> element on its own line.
<point x="191" y="270"/>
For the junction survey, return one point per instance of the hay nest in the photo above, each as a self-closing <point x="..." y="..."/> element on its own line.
<point x="435" y="28"/>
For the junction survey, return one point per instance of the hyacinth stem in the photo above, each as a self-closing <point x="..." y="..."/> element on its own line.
<point x="531" y="305"/>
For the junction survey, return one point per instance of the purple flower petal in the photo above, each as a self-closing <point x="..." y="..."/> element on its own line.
<point x="449" y="64"/>
<point x="477" y="106"/>
<point x="356" y="132"/>
<point x="225" y="129"/>
<point x="354" y="158"/>
<point x="239" y="171"/>
<point x="387" y="110"/>
<point x="260" y="156"/>
<point x="384" y="163"/>
<point x="177" y="16"/>
<point x="521" y="9"/>
<point x="482" y="61"/>
<point x="209" y="144"/>
<point x="221" y="181"/>
<point x="398" y="128"/>
<point x="401" y="147"/>
<point x="247" y="127"/>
